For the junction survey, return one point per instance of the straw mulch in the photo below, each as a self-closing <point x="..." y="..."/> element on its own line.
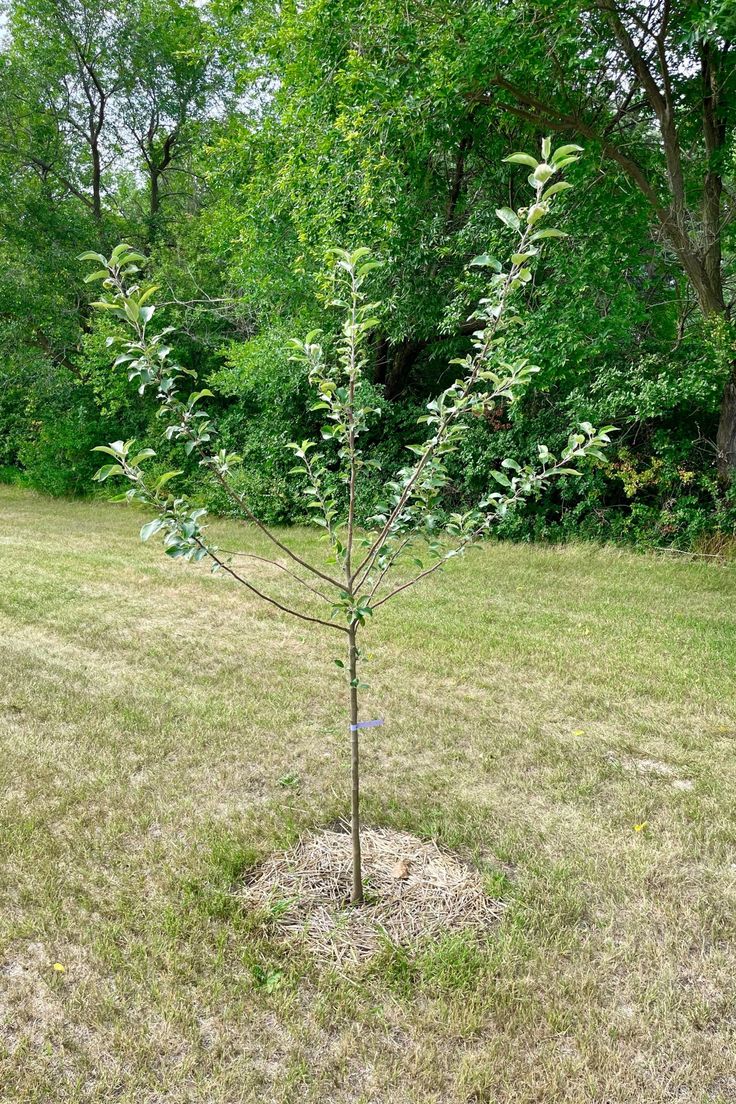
<point x="413" y="891"/>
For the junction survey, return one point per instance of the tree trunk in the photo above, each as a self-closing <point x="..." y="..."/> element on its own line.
<point x="154" y="205"/>
<point x="357" y="893"/>
<point x="155" y="197"/>
<point x="726" y="438"/>
<point x="402" y="358"/>
<point x="96" y="183"/>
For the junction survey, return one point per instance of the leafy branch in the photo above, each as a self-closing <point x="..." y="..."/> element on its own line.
<point x="412" y="520"/>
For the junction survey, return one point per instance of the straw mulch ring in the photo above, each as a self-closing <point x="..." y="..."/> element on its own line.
<point x="413" y="891"/>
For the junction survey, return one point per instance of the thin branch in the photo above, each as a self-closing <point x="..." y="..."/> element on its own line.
<point x="411" y="582"/>
<point x="352" y="367"/>
<point x="281" y="567"/>
<point x="475" y="534"/>
<point x="481" y="354"/>
<point x="267" y="532"/>
<point x="388" y="566"/>
<point x="140" y="331"/>
<point x="266" y="597"/>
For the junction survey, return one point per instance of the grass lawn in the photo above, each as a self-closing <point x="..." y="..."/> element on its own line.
<point x="542" y="703"/>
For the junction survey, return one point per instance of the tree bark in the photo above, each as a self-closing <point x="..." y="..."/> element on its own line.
<point x="157" y="167"/>
<point x="155" y="199"/>
<point x="357" y="891"/>
<point x="96" y="182"/>
<point x="726" y="437"/>
<point x="403" y="357"/>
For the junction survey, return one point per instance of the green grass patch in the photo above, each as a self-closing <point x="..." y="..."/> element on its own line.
<point x="162" y="733"/>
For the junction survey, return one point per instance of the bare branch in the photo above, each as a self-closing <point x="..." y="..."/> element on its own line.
<point x="281" y="567"/>
<point x="266" y="597"/>
<point x="270" y="535"/>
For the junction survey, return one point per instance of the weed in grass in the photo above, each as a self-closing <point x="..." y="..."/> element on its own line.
<point x="289" y="781"/>
<point x="266" y="978"/>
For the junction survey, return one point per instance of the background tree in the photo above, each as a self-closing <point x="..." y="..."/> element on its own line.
<point x="652" y="83"/>
<point x="389" y="97"/>
<point x="380" y="123"/>
<point x="175" y="84"/>
<point x="79" y="84"/>
<point x="65" y="82"/>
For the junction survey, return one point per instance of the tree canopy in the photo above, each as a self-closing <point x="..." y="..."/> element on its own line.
<point x="237" y="144"/>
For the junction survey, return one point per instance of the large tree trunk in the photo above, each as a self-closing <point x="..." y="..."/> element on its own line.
<point x="155" y="195"/>
<point x="726" y="438"/>
<point x="157" y="170"/>
<point x="393" y="364"/>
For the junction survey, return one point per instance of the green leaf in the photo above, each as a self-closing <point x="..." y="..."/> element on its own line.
<point x="164" y="479"/>
<point x="535" y="213"/>
<point x="522" y="159"/>
<point x="106" y="471"/>
<point x="564" y="151"/>
<point x="147" y="293"/>
<point x="145" y="454"/>
<point x="486" y="261"/>
<point x="550" y="233"/>
<point x="555" y="189"/>
<point x="197" y="395"/>
<point x="119" y="251"/>
<point x="565" y="161"/>
<point x="508" y="217"/>
<point x="150" y="528"/>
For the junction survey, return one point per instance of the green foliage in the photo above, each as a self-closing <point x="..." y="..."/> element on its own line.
<point x="412" y="517"/>
<point x="240" y="146"/>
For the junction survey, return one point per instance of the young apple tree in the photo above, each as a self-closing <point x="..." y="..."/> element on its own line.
<point x="410" y="538"/>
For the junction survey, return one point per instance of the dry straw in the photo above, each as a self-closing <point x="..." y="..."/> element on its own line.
<point x="414" y="890"/>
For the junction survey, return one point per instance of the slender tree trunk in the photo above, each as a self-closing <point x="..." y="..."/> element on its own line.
<point x="96" y="183"/>
<point x="154" y="203"/>
<point x="154" y="197"/>
<point x="357" y="893"/>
